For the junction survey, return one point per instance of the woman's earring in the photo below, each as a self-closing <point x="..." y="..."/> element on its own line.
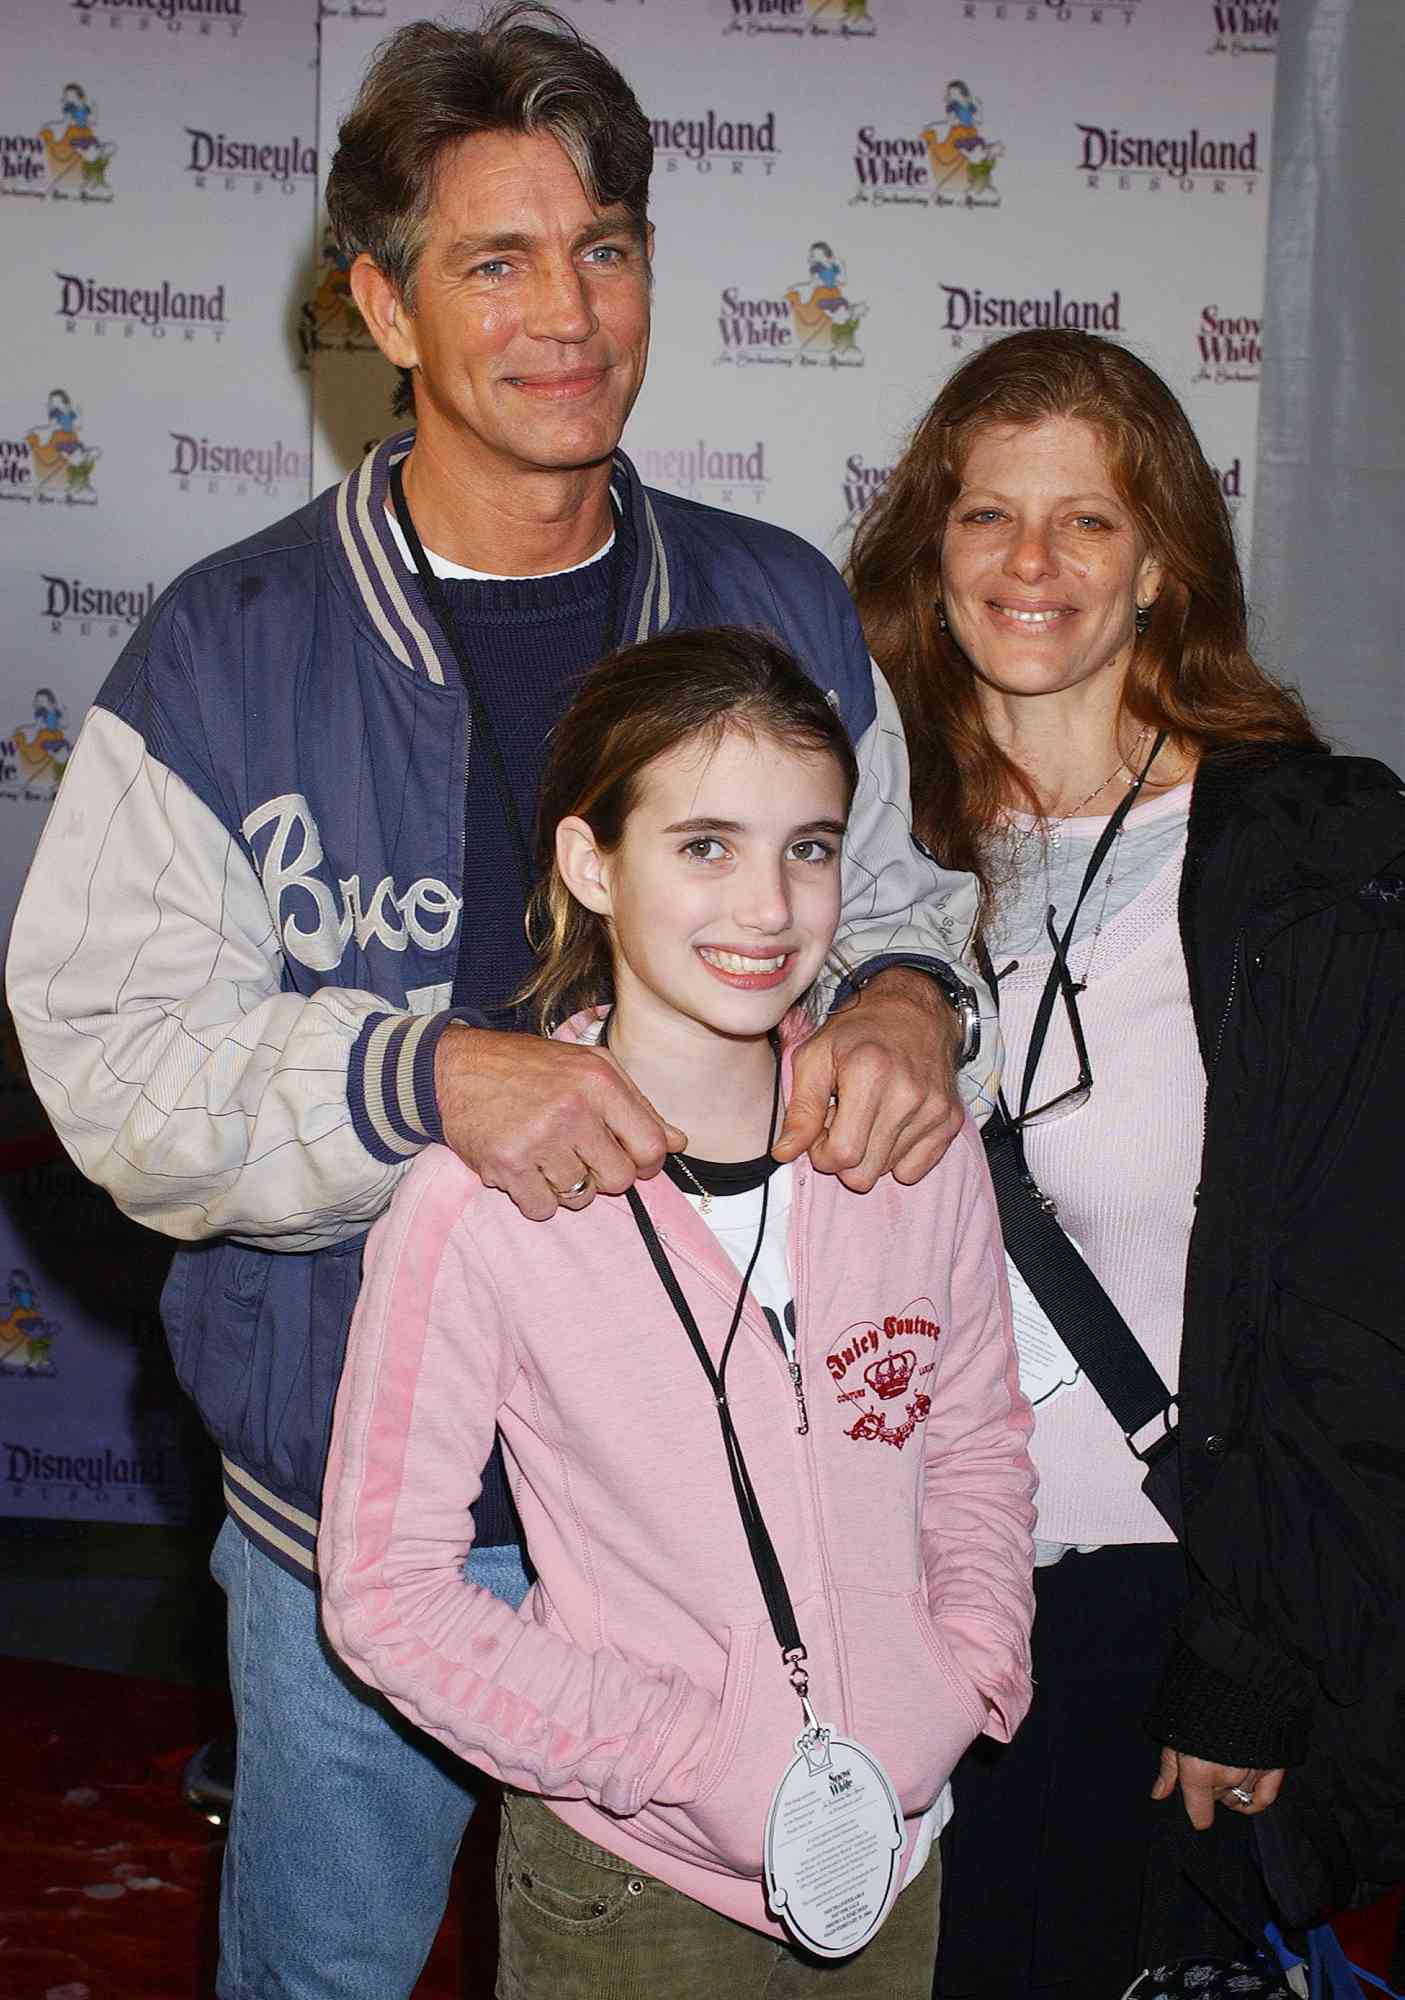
<point x="942" y="625"/>
<point x="1143" y="618"/>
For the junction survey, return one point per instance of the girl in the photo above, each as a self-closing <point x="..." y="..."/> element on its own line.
<point x="861" y="1529"/>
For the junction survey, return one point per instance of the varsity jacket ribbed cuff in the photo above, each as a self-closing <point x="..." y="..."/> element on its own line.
<point x="390" y="1081"/>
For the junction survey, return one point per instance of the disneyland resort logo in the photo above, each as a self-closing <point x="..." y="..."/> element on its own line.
<point x="72" y="605"/>
<point x="813" y="323"/>
<point x="1229" y="347"/>
<point x="171" y="17"/>
<point x="50" y="463"/>
<point x="949" y="163"/>
<point x="973" y="318"/>
<point x="804" y="20"/>
<point x="65" y="160"/>
<point x="1193" y="162"/>
<point x="25" y="1467"/>
<point x="240" y="164"/>
<point x="160" y="311"/>
<point x="722" y="475"/>
<point x="708" y="143"/>
<point x="1084" y="13"/>
<point x="329" y="322"/>
<point x="200" y="465"/>
<point x="1244" y="31"/>
<point x="34" y="756"/>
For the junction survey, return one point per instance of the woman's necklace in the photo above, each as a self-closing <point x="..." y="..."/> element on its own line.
<point x="1053" y="824"/>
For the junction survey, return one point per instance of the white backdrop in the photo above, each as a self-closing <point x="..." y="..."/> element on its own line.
<point x="849" y="195"/>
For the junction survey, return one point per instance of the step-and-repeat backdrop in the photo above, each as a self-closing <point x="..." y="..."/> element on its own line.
<point x="850" y="195"/>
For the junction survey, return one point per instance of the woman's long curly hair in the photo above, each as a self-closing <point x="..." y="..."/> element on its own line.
<point x="1191" y="672"/>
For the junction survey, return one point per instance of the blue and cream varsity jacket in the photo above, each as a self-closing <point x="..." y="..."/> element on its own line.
<point x="234" y="953"/>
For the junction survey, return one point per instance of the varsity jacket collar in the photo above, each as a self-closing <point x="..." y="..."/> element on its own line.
<point x="388" y="595"/>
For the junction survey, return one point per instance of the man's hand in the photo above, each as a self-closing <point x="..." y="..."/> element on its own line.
<point x="1203" y="1785"/>
<point x="874" y="1090"/>
<point x="534" y="1118"/>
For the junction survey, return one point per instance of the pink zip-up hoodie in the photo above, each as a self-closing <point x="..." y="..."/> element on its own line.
<point x="640" y="1687"/>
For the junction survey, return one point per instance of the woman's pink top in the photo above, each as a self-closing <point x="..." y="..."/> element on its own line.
<point x="1123" y="1167"/>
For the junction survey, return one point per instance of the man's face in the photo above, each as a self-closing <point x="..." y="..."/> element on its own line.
<point x="530" y="325"/>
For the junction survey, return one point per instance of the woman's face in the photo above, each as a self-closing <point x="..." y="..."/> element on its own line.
<point x="1042" y="564"/>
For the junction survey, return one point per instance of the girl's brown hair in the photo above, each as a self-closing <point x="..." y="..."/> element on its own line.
<point x="1191" y="672"/>
<point x="636" y="705"/>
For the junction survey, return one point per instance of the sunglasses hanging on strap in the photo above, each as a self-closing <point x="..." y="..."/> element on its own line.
<point x="1085" y="1318"/>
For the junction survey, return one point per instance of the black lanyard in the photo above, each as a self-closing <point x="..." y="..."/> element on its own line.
<point x="1058" y="971"/>
<point x="478" y="709"/>
<point x="769" y="1573"/>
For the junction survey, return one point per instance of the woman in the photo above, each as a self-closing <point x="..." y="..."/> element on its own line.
<point x="1049" y="582"/>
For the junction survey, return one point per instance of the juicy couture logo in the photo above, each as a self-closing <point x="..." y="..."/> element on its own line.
<point x="879" y="1379"/>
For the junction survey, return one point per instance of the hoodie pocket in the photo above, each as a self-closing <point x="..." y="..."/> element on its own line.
<point x="910" y="1704"/>
<point x="723" y="1824"/>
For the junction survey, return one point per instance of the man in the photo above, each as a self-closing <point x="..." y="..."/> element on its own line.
<point x="268" y="948"/>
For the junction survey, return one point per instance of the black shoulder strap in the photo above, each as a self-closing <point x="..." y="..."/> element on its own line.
<point x="1091" y="1327"/>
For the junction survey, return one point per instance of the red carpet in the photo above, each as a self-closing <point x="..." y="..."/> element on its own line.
<point x="110" y="1881"/>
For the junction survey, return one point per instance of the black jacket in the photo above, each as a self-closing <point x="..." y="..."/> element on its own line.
<point x="1292" y="1382"/>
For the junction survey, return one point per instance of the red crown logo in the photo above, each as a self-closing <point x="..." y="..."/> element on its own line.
<point x="891" y="1373"/>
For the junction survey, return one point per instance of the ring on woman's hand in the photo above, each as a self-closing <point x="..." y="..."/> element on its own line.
<point x="1242" y="1793"/>
<point x="577" y="1187"/>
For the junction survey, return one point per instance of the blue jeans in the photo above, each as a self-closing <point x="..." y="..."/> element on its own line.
<point x="346" y="1820"/>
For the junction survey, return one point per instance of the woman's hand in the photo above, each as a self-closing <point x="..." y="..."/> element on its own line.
<point x="1203" y="1785"/>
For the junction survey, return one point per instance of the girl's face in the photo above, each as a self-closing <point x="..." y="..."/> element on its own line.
<point x="724" y="893"/>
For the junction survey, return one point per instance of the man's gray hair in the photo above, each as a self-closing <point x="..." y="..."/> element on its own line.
<point x="523" y="69"/>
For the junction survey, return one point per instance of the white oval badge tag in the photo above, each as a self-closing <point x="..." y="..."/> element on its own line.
<point x="834" y="1845"/>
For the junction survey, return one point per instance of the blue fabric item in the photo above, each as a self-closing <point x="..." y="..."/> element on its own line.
<point x="529" y="644"/>
<point x="1331" y="1974"/>
<point x="346" y="1821"/>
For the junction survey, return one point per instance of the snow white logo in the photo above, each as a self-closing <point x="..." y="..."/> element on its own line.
<point x="35" y="757"/>
<point x="826" y="319"/>
<point x="78" y="159"/>
<point x="329" y="320"/>
<point x="813" y="324"/>
<point x="26" y="1337"/>
<point x="62" y="463"/>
